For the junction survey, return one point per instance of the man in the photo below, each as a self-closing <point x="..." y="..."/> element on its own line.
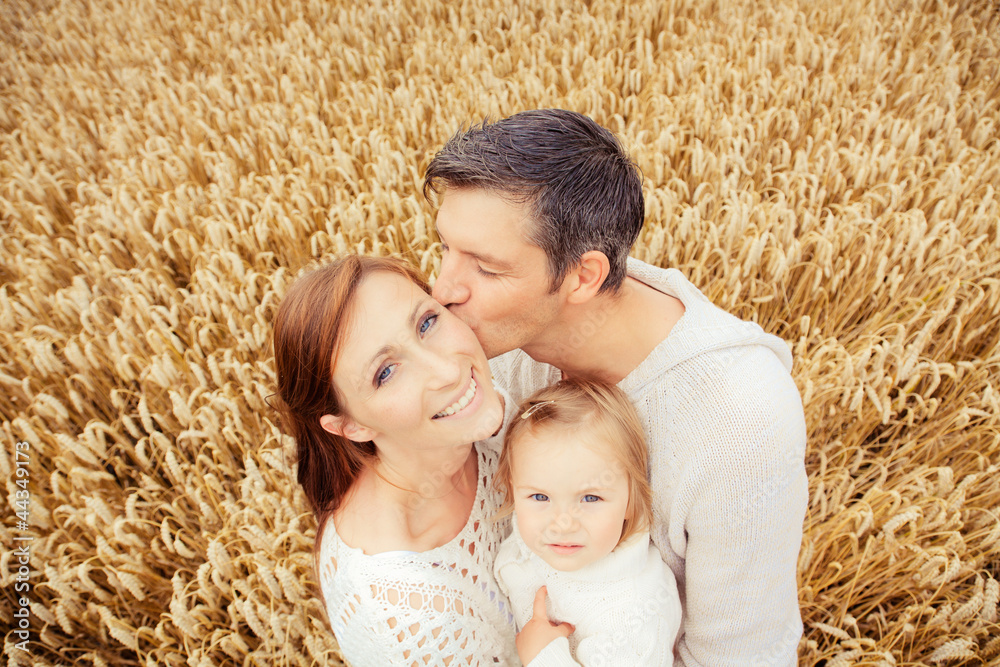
<point x="537" y="215"/>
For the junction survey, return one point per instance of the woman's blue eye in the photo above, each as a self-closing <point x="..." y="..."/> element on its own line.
<point x="591" y="498"/>
<point x="540" y="497"/>
<point x="383" y="375"/>
<point x="427" y="323"/>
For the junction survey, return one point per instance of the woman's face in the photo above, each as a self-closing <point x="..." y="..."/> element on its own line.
<point x="410" y="373"/>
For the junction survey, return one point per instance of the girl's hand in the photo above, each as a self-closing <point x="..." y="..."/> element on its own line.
<point x="539" y="631"/>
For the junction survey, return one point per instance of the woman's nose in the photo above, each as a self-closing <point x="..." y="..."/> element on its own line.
<point x="444" y="367"/>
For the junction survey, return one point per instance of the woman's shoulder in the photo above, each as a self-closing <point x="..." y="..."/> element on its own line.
<point x="448" y="591"/>
<point x="362" y="523"/>
<point x="346" y="571"/>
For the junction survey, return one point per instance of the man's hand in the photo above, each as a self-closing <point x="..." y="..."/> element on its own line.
<point x="539" y="631"/>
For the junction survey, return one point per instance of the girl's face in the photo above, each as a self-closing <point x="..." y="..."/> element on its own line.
<point x="570" y="496"/>
<point x="411" y="375"/>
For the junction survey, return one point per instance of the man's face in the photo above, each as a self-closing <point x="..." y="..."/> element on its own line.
<point x="491" y="277"/>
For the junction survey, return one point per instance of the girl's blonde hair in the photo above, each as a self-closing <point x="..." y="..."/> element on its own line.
<point x="605" y="411"/>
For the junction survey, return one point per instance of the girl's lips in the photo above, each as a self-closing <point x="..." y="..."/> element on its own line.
<point x="565" y="549"/>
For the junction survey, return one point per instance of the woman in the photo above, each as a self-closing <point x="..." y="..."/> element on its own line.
<point x="386" y="393"/>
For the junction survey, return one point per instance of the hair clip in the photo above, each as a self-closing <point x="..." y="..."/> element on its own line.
<point x="534" y="408"/>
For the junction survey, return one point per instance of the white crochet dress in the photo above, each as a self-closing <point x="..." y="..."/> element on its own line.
<point x="437" y="607"/>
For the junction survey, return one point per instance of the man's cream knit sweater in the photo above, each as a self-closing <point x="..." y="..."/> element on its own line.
<point x="727" y="438"/>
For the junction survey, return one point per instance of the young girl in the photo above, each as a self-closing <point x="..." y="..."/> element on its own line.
<point x="585" y="584"/>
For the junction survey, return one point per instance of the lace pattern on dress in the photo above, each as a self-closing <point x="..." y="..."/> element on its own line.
<point x="438" y="607"/>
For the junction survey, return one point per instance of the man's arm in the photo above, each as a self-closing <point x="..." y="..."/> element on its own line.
<point x="740" y="571"/>
<point x="742" y="508"/>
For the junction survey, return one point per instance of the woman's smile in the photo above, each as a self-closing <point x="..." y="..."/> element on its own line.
<point x="464" y="402"/>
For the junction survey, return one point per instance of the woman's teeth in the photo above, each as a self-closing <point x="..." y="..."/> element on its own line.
<point x="460" y="403"/>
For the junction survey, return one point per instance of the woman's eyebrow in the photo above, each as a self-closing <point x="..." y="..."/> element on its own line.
<point x="385" y="349"/>
<point x="417" y="309"/>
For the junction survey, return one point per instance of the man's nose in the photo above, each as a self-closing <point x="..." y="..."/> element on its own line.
<point x="449" y="288"/>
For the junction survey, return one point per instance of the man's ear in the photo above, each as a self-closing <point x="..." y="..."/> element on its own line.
<point x="346" y="428"/>
<point x="585" y="279"/>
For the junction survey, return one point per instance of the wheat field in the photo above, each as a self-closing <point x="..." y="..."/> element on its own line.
<point x="829" y="169"/>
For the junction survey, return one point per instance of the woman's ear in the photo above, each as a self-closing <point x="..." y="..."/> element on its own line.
<point x="346" y="428"/>
<point x="587" y="277"/>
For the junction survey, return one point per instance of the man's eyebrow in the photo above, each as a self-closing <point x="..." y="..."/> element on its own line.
<point x="411" y="320"/>
<point x="493" y="262"/>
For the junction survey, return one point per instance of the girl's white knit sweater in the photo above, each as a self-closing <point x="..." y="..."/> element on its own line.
<point x="624" y="608"/>
<point x="727" y="438"/>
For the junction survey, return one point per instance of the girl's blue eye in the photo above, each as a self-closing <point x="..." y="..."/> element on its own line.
<point x="540" y="497"/>
<point x="383" y="375"/>
<point x="427" y="323"/>
<point x="591" y="498"/>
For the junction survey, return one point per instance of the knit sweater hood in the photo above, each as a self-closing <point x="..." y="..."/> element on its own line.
<point x="703" y="328"/>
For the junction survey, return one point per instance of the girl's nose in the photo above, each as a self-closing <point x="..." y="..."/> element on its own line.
<point x="566" y="521"/>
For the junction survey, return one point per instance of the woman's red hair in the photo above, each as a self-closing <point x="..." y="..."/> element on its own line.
<point x="309" y="330"/>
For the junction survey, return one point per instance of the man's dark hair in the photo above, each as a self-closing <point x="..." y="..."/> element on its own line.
<point x="583" y="190"/>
